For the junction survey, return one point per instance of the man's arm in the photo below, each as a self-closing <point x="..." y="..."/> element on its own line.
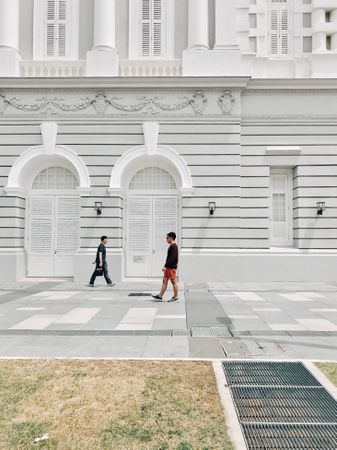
<point x="100" y="257"/>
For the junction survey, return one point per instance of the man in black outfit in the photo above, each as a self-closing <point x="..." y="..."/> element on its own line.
<point x="101" y="264"/>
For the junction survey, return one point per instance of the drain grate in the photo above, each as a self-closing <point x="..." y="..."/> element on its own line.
<point x="285" y="405"/>
<point x="282" y="406"/>
<point x="247" y="373"/>
<point x="273" y="437"/>
<point x="139" y="294"/>
<point x="210" y="332"/>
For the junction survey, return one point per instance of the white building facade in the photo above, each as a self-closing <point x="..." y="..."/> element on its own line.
<point x="132" y="118"/>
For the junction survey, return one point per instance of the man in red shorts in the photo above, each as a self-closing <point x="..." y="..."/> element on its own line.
<point x="170" y="269"/>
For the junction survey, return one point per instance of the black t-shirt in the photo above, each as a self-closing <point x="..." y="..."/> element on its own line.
<point x="172" y="257"/>
<point x="101" y="249"/>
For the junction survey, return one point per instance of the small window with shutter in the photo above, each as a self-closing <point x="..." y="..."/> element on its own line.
<point x="56" y="29"/>
<point x="281" y="205"/>
<point x="151" y="29"/>
<point x="279" y="28"/>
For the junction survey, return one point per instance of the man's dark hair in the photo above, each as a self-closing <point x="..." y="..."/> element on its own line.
<point x="172" y="235"/>
<point x="103" y="238"/>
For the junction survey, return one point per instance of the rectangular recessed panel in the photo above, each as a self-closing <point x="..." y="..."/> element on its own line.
<point x="284" y="405"/>
<point x="268" y="374"/>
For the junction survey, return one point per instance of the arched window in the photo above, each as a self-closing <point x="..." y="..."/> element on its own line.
<point x="151" y="29"/>
<point x="151" y="179"/>
<point x="279" y="19"/>
<point x="56" y="29"/>
<point x="55" y="178"/>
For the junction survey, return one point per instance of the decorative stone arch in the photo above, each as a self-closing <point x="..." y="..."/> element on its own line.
<point x="137" y="156"/>
<point x="36" y="159"/>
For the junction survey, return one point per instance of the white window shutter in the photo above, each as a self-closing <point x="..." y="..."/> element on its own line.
<point x="41" y="225"/>
<point x="67" y="227"/>
<point x="281" y="209"/>
<point x="51" y="27"/>
<point x="279" y="29"/>
<point x="152" y="28"/>
<point x="57" y="29"/>
<point x="165" y="221"/>
<point x="139" y="224"/>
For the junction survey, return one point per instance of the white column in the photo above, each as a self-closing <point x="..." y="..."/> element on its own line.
<point x="105" y="15"/>
<point x="102" y="60"/>
<point x="225" y="24"/>
<point x="318" y="36"/>
<point x="333" y="16"/>
<point x="198" y="24"/>
<point x="9" y="38"/>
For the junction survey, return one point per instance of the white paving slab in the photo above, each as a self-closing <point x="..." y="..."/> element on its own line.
<point x="317" y="324"/>
<point x="78" y="316"/>
<point x="182" y="316"/>
<point x="56" y="295"/>
<point x="138" y="319"/>
<point x="311" y="294"/>
<point x="267" y="309"/>
<point x="249" y="296"/>
<point x="295" y="297"/>
<point x="239" y="317"/>
<point x="36" y="322"/>
<point x="324" y="310"/>
<point x="30" y="309"/>
<point x="286" y="326"/>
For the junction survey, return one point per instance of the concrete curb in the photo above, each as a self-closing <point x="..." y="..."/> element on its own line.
<point x="325" y="382"/>
<point x="234" y="429"/>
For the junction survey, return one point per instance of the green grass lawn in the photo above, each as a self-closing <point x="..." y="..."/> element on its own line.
<point x="330" y="370"/>
<point x="97" y="405"/>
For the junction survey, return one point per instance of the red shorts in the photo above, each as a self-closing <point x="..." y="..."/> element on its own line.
<point x="170" y="274"/>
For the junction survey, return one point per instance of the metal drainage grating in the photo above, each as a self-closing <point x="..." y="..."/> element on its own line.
<point x="247" y="373"/>
<point x="210" y="332"/>
<point x="139" y="294"/>
<point x="284" y="405"/>
<point x="275" y="437"/>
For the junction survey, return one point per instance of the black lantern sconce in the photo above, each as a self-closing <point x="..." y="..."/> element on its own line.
<point x="212" y="208"/>
<point x="98" y="208"/>
<point x="320" y="208"/>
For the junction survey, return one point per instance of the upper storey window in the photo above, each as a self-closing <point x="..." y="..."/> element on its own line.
<point x="151" y="29"/>
<point x="279" y="28"/>
<point x="56" y="29"/>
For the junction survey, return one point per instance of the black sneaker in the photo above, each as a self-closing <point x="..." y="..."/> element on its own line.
<point x="157" y="297"/>
<point x="173" y="299"/>
<point x="91" y="285"/>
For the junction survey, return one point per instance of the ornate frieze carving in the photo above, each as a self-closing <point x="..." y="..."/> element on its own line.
<point x="105" y="104"/>
<point x="226" y="102"/>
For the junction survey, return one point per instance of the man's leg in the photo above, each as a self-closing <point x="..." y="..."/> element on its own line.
<point x="164" y="287"/>
<point x="93" y="278"/>
<point x="106" y="274"/>
<point x="175" y="287"/>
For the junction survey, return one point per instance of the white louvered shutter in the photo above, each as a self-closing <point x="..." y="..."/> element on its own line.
<point x="279" y="29"/>
<point x="152" y="28"/>
<point x="281" y="214"/>
<point x="165" y="221"/>
<point x="139" y="225"/>
<point x="56" y="28"/>
<point x="41" y="225"/>
<point x="67" y="226"/>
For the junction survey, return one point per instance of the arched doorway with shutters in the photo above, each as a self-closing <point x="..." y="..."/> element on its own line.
<point x="53" y="223"/>
<point x="152" y="210"/>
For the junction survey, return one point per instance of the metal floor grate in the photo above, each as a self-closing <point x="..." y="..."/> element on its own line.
<point x="285" y="405"/>
<point x="280" y="405"/>
<point x="276" y="437"/>
<point x="247" y="373"/>
<point x="210" y="332"/>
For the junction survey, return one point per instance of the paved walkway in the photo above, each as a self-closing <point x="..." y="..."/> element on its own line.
<point x="55" y="318"/>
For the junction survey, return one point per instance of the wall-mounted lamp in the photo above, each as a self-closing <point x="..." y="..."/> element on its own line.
<point x="320" y="208"/>
<point x="211" y="208"/>
<point x="98" y="208"/>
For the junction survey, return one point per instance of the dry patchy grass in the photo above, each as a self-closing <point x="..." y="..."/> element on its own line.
<point x="330" y="370"/>
<point x="101" y="405"/>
